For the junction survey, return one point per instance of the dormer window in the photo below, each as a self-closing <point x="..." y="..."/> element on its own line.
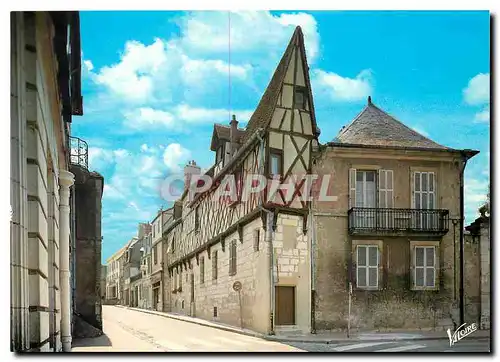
<point x="300" y="99"/>
<point x="221" y="151"/>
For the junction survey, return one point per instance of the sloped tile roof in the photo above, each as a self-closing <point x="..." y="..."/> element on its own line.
<point x="374" y="127"/>
<point x="264" y="111"/>
<point x="223" y="132"/>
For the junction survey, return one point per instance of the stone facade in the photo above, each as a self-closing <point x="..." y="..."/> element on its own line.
<point x="88" y="239"/>
<point x="394" y="305"/>
<point x="40" y="181"/>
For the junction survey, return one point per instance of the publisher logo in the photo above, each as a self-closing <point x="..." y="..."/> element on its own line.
<point x="461" y="332"/>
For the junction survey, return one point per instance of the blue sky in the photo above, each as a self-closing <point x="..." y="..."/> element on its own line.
<point x="155" y="82"/>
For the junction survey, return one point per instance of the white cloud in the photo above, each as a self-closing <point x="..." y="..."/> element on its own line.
<point x="179" y="117"/>
<point x="146" y="117"/>
<point x="175" y="155"/>
<point x="109" y="192"/>
<point x="340" y="88"/>
<point x="194" y="71"/>
<point x="477" y="91"/>
<point x="420" y="130"/>
<point x="483" y="116"/>
<point x="475" y="192"/>
<point x="250" y="31"/>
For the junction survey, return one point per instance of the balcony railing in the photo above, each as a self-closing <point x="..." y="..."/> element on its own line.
<point x="79" y="152"/>
<point x="397" y="221"/>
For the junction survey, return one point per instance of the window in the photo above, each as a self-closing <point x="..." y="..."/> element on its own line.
<point x="232" y="258"/>
<point x="220" y="153"/>
<point x="202" y="270"/>
<point x="424" y="198"/>
<point x="214" y="265"/>
<point x="180" y="281"/>
<point x="276" y="162"/>
<point x="197" y="218"/>
<point x="238" y="179"/>
<point x="365" y="188"/>
<point x="155" y="257"/>
<point x="256" y="233"/>
<point x="300" y="100"/>
<point x="425" y="267"/>
<point x="423" y="190"/>
<point x="367" y="266"/>
<point x="173" y="244"/>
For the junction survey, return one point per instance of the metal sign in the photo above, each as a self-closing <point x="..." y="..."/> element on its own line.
<point x="237" y="286"/>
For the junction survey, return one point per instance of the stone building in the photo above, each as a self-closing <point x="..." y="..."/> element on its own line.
<point x="114" y="270"/>
<point x="387" y="234"/>
<point x="45" y="94"/>
<point x="477" y="270"/>
<point x="146" y="292"/>
<point x="259" y="241"/>
<point x="162" y="218"/>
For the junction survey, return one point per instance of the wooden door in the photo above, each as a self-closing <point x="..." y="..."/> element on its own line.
<point x="285" y="305"/>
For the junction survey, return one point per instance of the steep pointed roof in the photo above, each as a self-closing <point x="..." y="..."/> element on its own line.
<point x="374" y="127"/>
<point x="262" y="115"/>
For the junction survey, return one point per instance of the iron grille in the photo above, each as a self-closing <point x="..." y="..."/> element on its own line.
<point x="79" y="152"/>
<point x="381" y="220"/>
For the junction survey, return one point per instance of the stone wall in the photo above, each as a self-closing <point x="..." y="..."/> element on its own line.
<point x="395" y="305"/>
<point x="38" y="141"/>
<point x="293" y="265"/>
<point x="88" y="193"/>
<point x="251" y="271"/>
<point x="485" y="281"/>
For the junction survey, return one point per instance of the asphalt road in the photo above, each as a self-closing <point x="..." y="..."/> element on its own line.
<point x="128" y="330"/>
<point x="465" y="345"/>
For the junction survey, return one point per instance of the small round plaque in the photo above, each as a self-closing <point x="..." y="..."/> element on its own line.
<point x="237" y="286"/>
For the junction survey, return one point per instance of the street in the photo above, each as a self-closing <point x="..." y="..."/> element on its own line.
<point x="133" y="331"/>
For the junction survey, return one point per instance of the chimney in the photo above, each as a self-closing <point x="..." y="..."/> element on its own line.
<point x="369" y="100"/>
<point x="190" y="169"/>
<point x="233" y="134"/>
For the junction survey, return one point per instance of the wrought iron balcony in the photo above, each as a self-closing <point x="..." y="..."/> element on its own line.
<point x="79" y="152"/>
<point x="397" y="221"/>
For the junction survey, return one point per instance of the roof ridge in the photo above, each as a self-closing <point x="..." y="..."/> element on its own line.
<point x="404" y="125"/>
<point x="343" y="130"/>
<point x="269" y="96"/>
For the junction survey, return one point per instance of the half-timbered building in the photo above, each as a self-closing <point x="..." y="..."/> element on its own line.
<point x="243" y="258"/>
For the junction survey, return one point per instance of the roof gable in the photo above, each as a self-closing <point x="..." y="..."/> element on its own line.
<point x="374" y="127"/>
<point x="223" y="132"/>
<point x="261" y="118"/>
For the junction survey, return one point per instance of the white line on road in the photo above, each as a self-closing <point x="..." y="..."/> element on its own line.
<point x="402" y="348"/>
<point x="359" y="345"/>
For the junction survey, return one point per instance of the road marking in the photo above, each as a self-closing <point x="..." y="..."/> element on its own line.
<point x="359" y="345"/>
<point x="402" y="348"/>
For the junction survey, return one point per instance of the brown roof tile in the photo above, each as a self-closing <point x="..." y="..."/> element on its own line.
<point x="222" y="132"/>
<point x="374" y="127"/>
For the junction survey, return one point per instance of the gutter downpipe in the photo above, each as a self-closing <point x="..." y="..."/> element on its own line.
<point x="313" y="283"/>
<point x="461" y="288"/>
<point x="269" y="242"/>
<point x="465" y="156"/>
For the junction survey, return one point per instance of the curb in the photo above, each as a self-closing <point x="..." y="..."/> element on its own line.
<point x="346" y="340"/>
<point x="291" y="340"/>
<point x="217" y="326"/>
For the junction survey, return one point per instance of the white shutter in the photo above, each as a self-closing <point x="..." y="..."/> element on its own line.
<point x="385" y="189"/>
<point x="352" y="187"/>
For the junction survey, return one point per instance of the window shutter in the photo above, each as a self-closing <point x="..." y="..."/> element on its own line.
<point x="389" y="186"/>
<point x="412" y="188"/>
<point x="352" y="187"/>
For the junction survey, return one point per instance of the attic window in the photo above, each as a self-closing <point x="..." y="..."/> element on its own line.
<point x="300" y="99"/>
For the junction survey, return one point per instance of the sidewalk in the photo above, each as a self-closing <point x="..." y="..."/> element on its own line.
<point x="320" y="337"/>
